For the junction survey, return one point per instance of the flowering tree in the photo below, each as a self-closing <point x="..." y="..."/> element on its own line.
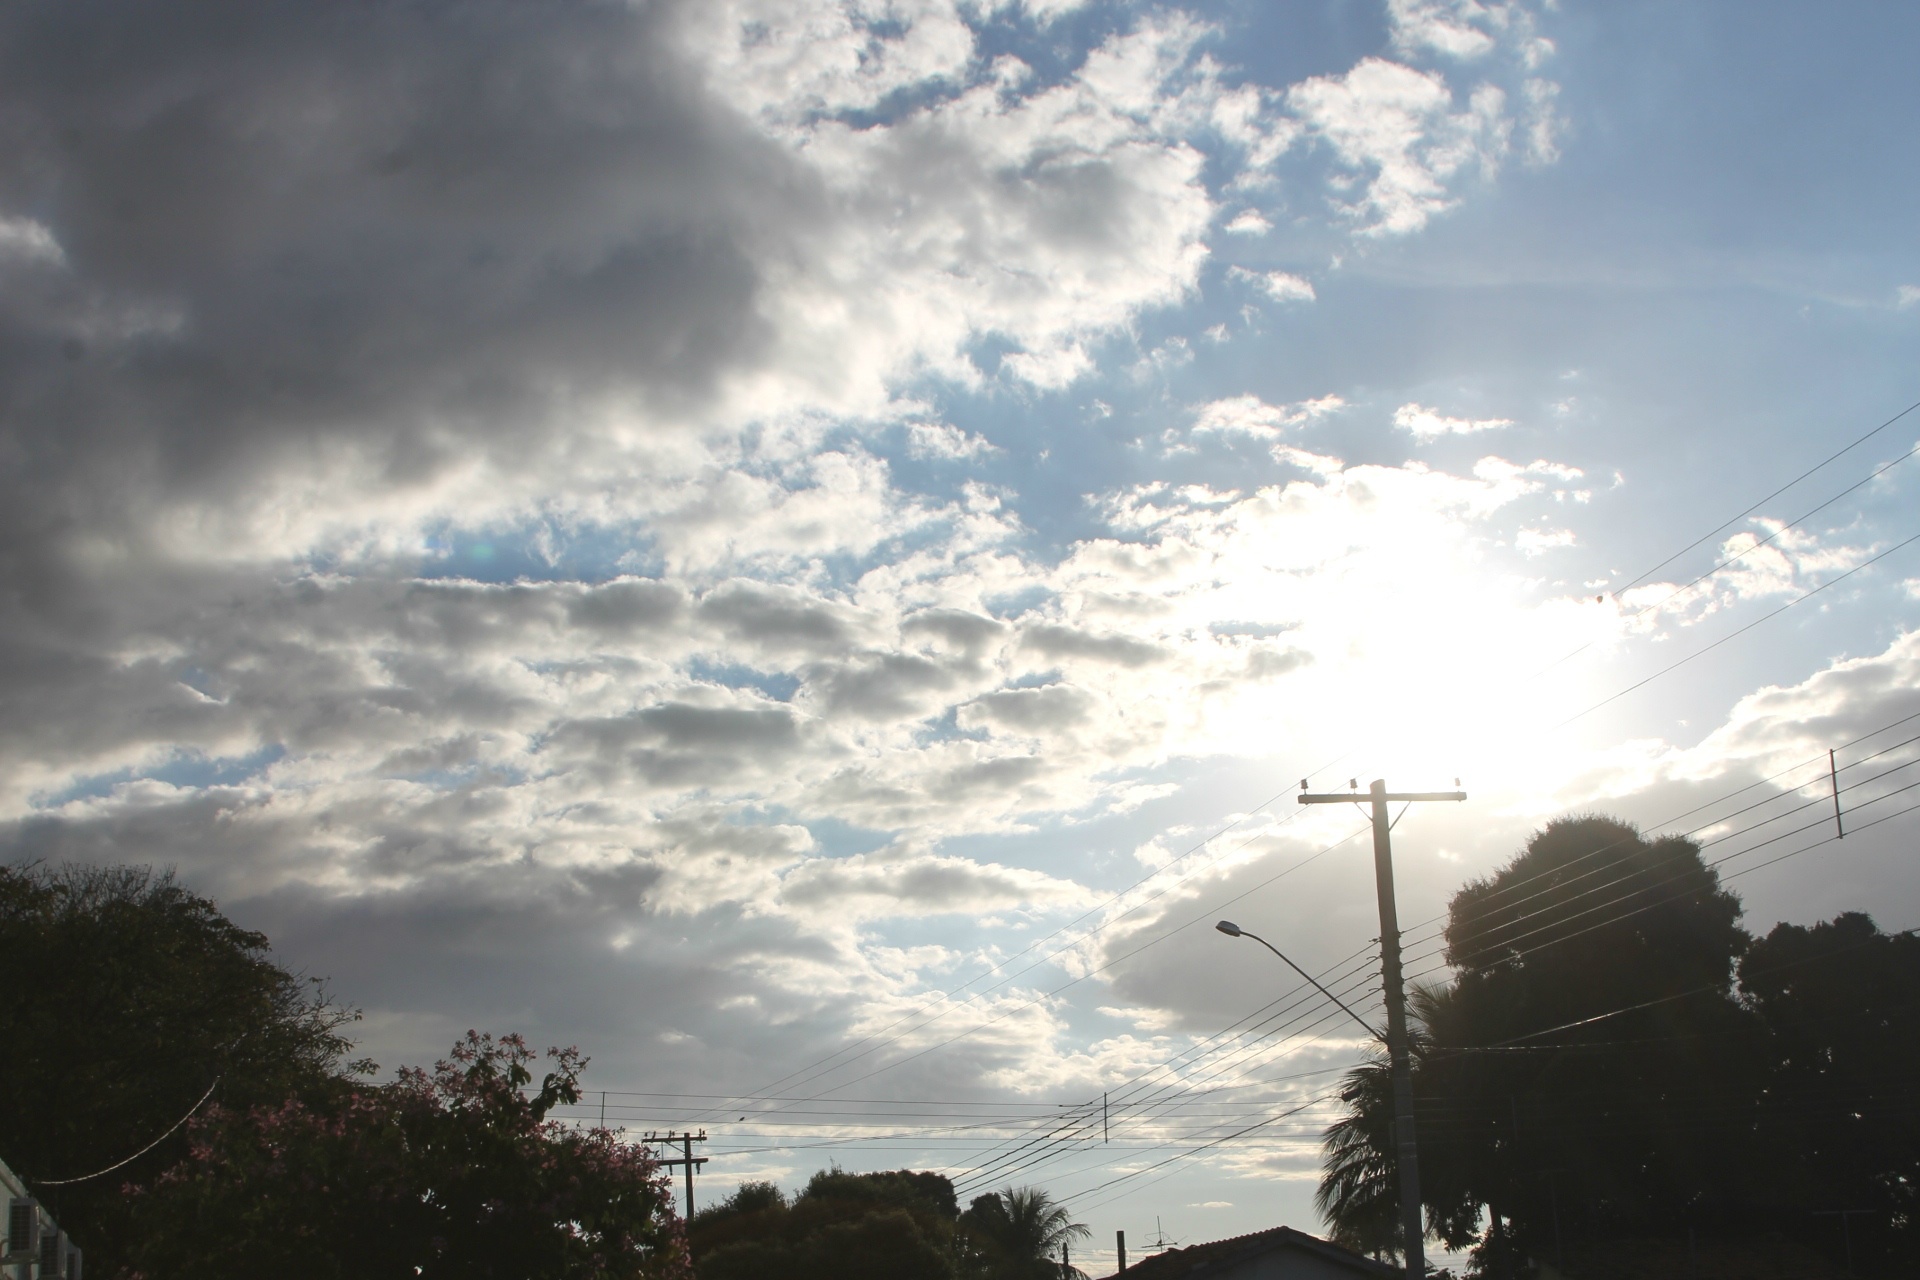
<point x="453" y="1172"/>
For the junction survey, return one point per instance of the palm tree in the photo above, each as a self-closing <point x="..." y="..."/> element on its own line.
<point x="1017" y="1234"/>
<point x="1359" y="1192"/>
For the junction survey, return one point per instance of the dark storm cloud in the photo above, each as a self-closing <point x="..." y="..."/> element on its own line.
<point x="407" y="230"/>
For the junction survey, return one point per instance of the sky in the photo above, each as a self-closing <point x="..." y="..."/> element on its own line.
<point x="806" y="546"/>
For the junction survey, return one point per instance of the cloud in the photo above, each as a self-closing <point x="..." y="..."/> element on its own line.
<point x="1541" y="125"/>
<point x="1396" y="129"/>
<point x="1281" y="286"/>
<point x="514" y="303"/>
<point x="453" y="520"/>
<point x="1533" y="542"/>
<point x="1052" y="641"/>
<point x="780" y="620"/>
<point x="1254" y="417"/>
<point x="1907" y="295"/>
<point x="874" y="886"/>
<point x="939" y="440"/>
<point x="627" y="605"/>
<point x="1049" y="709"/>
<point x="1248" y="222"/>
<point x="1429" y="424"/>
<point x="25" y="240"/>
<point x="1451" y="27"/>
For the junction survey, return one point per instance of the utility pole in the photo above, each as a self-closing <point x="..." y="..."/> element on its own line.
<point x="685" y="1159"/>
<point x="1406" y="1145"/>
<point x="1833" y="776"/>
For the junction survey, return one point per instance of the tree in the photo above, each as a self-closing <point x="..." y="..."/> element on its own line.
<point x="1359" y="1191"/>
<point x="1545" y="1130"/>
<point x="1839" y="1114"/>
<point x="456" y="1172"/>
<point x="895" y="1225"/>
<point x="127" y="997"/>
<point x="1017" y="1234"/>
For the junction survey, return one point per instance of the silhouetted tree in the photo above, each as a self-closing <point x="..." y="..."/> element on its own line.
<point x="1535" y="1128"/>
<point x="126" y="997"/>
<point x="1839" y="1117"/>
<point x="456" y="1172"/>
<point x="896" y="1225"/>
<point x="1017" y="1234"/>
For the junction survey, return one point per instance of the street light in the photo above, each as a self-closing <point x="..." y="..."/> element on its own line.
<point x="1233" y="930"/>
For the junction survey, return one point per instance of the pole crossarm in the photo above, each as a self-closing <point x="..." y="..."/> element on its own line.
<point x="1364" y="797"/>
<point x="685" y="1160"/>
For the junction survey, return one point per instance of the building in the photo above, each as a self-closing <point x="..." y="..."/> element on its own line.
<point x="1279" y="1254"/>
<point x="36" y="1248"/>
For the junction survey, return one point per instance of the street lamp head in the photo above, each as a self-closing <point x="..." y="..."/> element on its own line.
<point x="1229" y="928"/>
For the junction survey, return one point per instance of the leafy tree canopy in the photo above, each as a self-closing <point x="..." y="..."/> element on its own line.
<point x="1018" y="1234"/>
<point x="1592" y="1072"/>
<point x="127" y="996"/>
<point x="1839" y="1112"/>
<point x="454" y="1172"/>
<point x="896" y="1225"/>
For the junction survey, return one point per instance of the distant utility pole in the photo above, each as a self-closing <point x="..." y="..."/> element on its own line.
<point x="1405" y="1145"/>
<point x="685" y="1159"/>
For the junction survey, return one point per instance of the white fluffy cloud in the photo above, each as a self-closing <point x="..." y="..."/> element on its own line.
<point x="1281" y="286"/>
<point x="1427" y="424"/>
<point x="1251" y="416"/>
<point x="1398" y="131"/>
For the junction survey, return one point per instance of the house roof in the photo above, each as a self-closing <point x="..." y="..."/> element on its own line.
<point x="1196" y="1262"/>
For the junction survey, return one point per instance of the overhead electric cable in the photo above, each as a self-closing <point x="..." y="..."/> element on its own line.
<point x="1818" y="466"/>
<point x="121" y="1164"/>
<point x="1734" y="635"/>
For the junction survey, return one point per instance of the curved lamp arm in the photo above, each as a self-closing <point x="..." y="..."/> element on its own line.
<point x="1233" y="930"/>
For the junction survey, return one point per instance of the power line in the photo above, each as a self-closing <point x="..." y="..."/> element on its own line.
<point x="1686" y="873"/>
<point x="121" y="1164"/>
<point x="1047" y="995"/>
<point x="820" y="1064"/>
<point x="1299" y="992"/>
<point x="1129" y="1091"/>
<point x="1151" y="1109"/>
<point x="810" y="1072"/>
<point x="1734" y="635"/>
<point x="1810" y="761"/>
<point x="1717" y="530"/>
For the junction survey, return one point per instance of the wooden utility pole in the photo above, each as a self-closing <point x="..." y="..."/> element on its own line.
<point x="1406" y="1145"/>
<point x="686" y="1158"/>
